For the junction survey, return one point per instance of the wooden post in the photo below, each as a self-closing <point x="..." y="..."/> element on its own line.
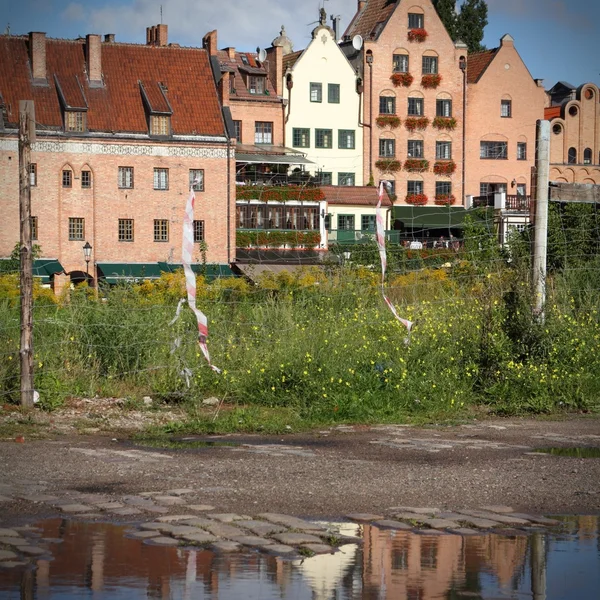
<point x="26" y="133"/>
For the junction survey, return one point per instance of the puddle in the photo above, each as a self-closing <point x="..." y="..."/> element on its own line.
<point x="97" y="560"/>
<point x="188" y="443"/>
<point x="583" y="452"/>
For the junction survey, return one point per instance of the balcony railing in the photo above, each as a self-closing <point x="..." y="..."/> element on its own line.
<point x="513" y="203"/>
<point x="392" y="236"/>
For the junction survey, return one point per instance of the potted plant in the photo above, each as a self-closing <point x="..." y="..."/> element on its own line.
<point x="417" y="35"/>
<point x="444" y="199"/>
<point x="448" y="123"/>
<point x="388" y="165"/>
<point x="431" y="80"/>
<point x="444" y="167"/>
<point x="404" y="79"/>
<point x="392" y="120"/>
<point x="416" y="199"/>
<point x="416" y="164"/>
<point x="412" y="123"/>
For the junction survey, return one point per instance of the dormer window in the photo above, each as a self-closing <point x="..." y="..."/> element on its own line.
<point x="256" y="85"/>
<point x="75" y="120"/>
<point x="245" y="60"/>
<point x="160" y="125"/>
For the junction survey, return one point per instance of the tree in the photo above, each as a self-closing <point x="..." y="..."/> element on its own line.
<point x="471" y="22"/>
<point x="446" y="10"/>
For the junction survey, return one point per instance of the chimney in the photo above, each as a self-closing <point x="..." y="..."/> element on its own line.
<point x="93" y="59"/>
<point x="224" y="85"/>
<point x="361" y="4"/>
<point x="157" y="35"/>
<point x="37" y="56"/>
<point x="275" y="68"/>
<point x="336" y="26"/>
<point x="109" y="38"/>
<point x="230" y="52"/>
<point x="209" y="42"/>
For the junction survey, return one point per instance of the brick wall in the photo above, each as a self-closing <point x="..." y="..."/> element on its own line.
<point x="248" y="112"/>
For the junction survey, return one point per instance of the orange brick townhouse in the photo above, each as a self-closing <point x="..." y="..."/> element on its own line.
<point x="122" y="131"/>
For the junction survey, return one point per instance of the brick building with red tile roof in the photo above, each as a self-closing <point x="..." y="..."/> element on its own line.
<point x="122" y="129"/>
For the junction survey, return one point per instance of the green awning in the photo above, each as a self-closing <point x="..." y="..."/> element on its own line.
<point x="210" y="271"/>
<point x="437" y="217"/>
<point x="123" y="272"/>
<point x="43" y="268"/>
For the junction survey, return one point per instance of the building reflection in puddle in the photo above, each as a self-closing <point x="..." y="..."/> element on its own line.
<point x="98" y="561"/>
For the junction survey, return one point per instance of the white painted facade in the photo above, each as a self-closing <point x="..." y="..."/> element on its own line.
<point x="352" y="221"/>
<point x="322" y="62"/>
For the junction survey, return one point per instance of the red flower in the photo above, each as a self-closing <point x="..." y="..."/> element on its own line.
<point x="412" y="123"/>
<point x="444" y="123"/>
<point x="444" y="167"/>
<point x="392" y="120"/>
<point x="416" y="164"/>
<point x="416" y="199"/>
<point x="399" y="79"/>
<point x="444" y="199"/>
<point x="431" y="81"/>
<point x="417" y="35"/>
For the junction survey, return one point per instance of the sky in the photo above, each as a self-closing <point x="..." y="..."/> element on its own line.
<point x="559" y="40"/>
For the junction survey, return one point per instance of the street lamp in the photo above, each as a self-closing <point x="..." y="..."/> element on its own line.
<point x="87" y="254"/>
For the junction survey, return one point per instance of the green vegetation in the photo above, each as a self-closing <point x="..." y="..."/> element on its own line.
<point x="468" y="25"/>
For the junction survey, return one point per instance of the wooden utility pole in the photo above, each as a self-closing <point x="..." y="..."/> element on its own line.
<point x="26" y="136"/>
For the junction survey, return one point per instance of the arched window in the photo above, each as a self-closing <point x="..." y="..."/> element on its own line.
<point x="572" y="160"/>
<point x="587" y="156"/>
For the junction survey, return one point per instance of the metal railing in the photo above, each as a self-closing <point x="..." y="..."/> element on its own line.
<point x="513" y="203"/>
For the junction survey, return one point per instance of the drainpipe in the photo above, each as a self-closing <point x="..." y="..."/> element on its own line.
<point x="463" y="68"/>
<point x="369" y="59"/>
<point x="228" y="200"/>
<point x="289" y="84"/>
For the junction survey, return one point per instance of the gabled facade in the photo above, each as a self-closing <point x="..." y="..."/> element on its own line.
<point x="412" y="117"/>
<point x="322" y="114"/>
<point x="122" y="131"/>
<point x="503" y="104"/>
<point x="575" y="134"/>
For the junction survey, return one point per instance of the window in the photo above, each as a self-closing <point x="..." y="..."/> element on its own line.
<point x="198" y="231"/>
<point x="506" y="109"/>
<point x="67" y="178"/>
<point x="300" y="138"/>
<point x="587" y="156"/>
<point x="161" y="179"/>
<point x="415" y="148"/>
<point x="387" y="105"/>
<point x="443" y="150"/>
<point x="126" y="230"/>
<point x="76" y="228"/>
<point x="400" y="63"/>
<point x="161" y="230"/>
<point x="443" y="108"/>
<point x="232" y="83"/>
<point x="430" y="65"/>
<point x="323" y="138"/>
<point x="86" y="179"/>
<point x="125" y="177"/>
<point x="557" y="129"/>
<point x="263" y="132"/>
<point x="197" y="179"/>
<point x="333" y="93"/>
<point x="160" y="125"/>
<point x="387" y="148"/>
<point x="346" y="222"/>
<point x="414" y="187"/>
<point x="238" y="130"/>
<point x="572" y="157"/>
<point x="316" y="92"/>
<point x="346" y="139"/>
<point x="521" y="189"/>
<point x="346" y="179"/>
<point x="391" y="185"/>
<point x="521" y="151"/>
<point x="416" y="21"/>
<point x="415" y="106"/>
<point x="245" y="60"/>
<point x="493" y="150"/>
<point x="75" y="121"/>
<point x="256" y="85"/>
<point x="325" y="178"/>
<point x="367" y="222"/>
<point x="33" y="174"/>
<point x="34" y="228"/>
<point x="443" y="187"/>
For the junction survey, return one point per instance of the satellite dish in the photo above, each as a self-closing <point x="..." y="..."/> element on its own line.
<point x="357" y="42"/>
<point x="262" y="55"/>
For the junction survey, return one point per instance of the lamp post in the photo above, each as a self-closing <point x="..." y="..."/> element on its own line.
<point x="87" y="254"/>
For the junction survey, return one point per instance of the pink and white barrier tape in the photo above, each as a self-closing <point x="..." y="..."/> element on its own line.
<point x="382" y="253"/>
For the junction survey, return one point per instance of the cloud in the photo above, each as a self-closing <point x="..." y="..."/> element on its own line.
<point x="240" y="23"/>
<point x="73" y="12"/>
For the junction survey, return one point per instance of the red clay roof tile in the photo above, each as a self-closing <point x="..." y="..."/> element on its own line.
<point x="552" y="112"/>
<point x="477" y="63"/>
<point x="117" y="106"/>
<point x="365" y="23"/>
<point x="354" y="195"/>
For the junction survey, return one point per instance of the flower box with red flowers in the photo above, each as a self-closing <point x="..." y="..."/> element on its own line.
<point x="416" y="199"/>
<point x="278" y="193"/>
<point x="417" y="35"/>
<point x="444" y="167"/>
<point x="448" y="123"/>
<point x="444" y="199"/>
<point x="392" y="120"/>
<point x="404" y="79"/>
<point x="416" y="164"/>
<point x="388" y="165"/>
<point x="412" y="123"/>
<point x="431" y="81"/>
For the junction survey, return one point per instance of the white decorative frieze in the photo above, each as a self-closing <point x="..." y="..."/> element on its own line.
<point x="59" y="146"/>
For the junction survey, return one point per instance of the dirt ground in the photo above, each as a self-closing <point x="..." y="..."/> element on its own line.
<point x="326" y="473"/>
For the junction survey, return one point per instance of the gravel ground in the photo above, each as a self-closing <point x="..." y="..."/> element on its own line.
<point x="325" y="474"/>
